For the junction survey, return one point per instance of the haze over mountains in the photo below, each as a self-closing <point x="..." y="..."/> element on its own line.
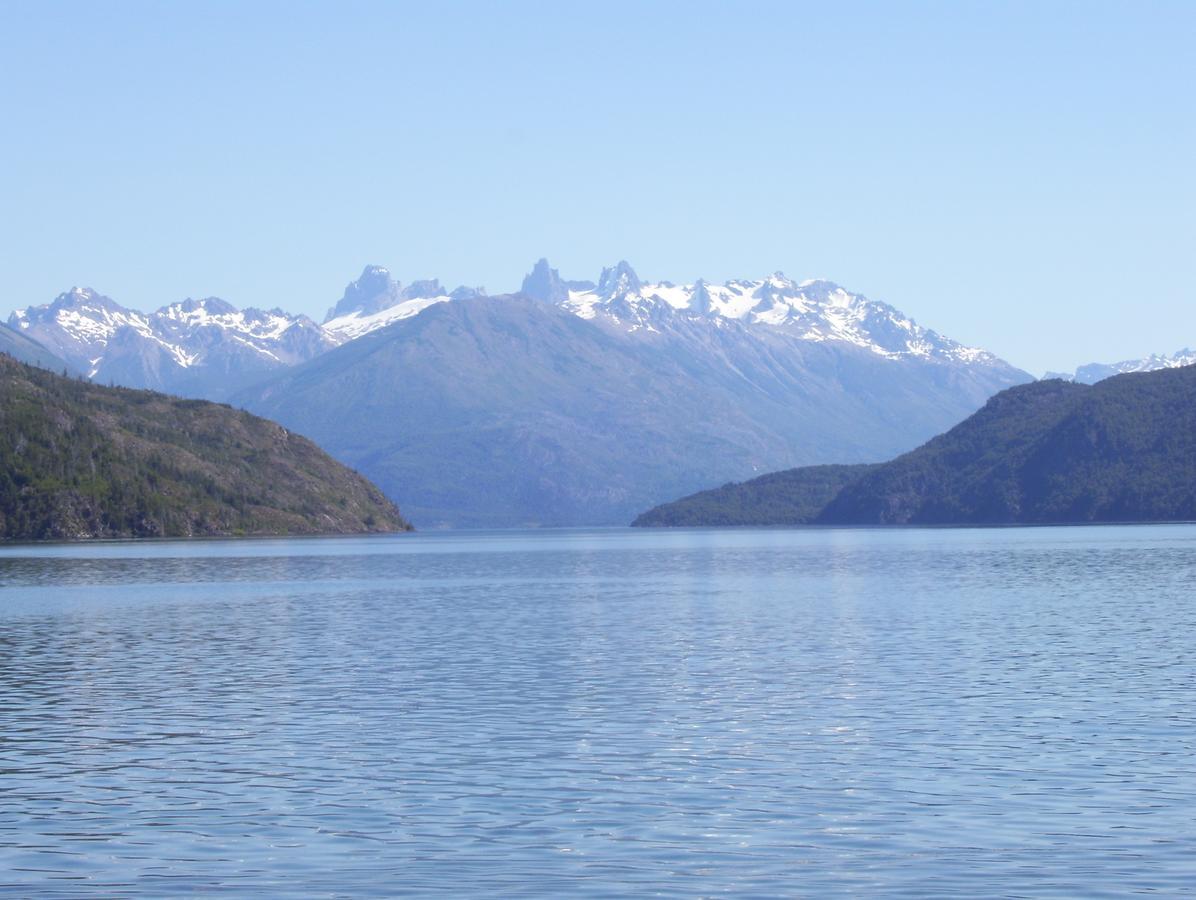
<point x="1123" y="450"/>
<point x="1094" y="372"/>
<point x="195" y="348"/>
<point x="572" y="402"/>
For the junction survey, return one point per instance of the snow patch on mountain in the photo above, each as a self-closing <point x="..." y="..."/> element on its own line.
<point x="814" y="310"/>
<point x="1094" y="372"/>
<point x="376" y="300"/>
<point x="87" y="329"/>
<point x="357" y="323"/>
<point x="99" y="336"/>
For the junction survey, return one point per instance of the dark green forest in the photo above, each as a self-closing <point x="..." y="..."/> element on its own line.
<point x="78" y="460"/>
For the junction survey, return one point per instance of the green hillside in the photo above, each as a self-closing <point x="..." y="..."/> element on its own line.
<point x="79" y="461"/>
<point x="792" y="497"/>
<point x="1122" y="450"/>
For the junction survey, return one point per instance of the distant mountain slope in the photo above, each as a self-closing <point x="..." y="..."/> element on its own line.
<point x="514" y="410"/>
<point x="792" y="497"/>
<point x="1094" y="372"/>
<point x="79" y="460"/>
<point x="1050" y="452"/>
<point x="197" y="348"/>
<point x="27" y="350"/>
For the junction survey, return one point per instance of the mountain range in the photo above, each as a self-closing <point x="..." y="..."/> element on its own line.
<point x="1122" y="450"/>
<point x="194" y="348"/>
<point x="570" y="402"/>
<point x="573" y="402"/>
<point x="1094" y="372"/>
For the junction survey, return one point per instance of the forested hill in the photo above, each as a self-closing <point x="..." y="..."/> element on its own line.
<point x="78" y="461"/>
<point x="1122" y="450"/>
<point x="791" y="497"/>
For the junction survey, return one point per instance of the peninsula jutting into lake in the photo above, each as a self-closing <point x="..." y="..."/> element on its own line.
<point x="79" y="460"/>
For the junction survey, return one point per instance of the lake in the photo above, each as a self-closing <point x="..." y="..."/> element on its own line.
<point x="749" y="712"/>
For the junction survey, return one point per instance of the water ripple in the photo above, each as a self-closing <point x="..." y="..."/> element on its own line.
<point x="908" y="713"/>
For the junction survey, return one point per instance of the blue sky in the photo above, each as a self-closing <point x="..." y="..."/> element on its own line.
<point x="1015" y="175"/>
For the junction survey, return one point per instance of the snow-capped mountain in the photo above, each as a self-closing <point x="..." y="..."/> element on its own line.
<point x="571" y="402"/>
<point x="812" y="310"/>
<point x="577" y="402"/>
<point x="376" y="300"/>
<point x="202" y="347"/>
<point x="1094" y="372"/>
<point x="210" y="348"/>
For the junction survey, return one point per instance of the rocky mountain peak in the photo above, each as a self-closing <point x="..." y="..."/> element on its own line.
<point x="619" y="279"/>
<point x="701" y="302"/>
<point x="424" y="289"/>
<point x="80" y="297"/>
<point x="545" y="283"/>
<point x="373" y="291"/>
<point x="212" y="306"/>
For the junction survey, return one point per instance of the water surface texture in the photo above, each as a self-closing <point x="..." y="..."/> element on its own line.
<point x="753" y="712"/>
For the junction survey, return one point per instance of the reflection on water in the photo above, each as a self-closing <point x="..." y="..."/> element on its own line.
<point x="813" y="712"/>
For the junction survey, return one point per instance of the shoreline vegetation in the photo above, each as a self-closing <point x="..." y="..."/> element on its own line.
<point x="1047" y="453"/>
<point x="79" y="461"/>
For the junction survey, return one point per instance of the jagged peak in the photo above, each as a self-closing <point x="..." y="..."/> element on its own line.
<point x="425" y="288"/>
<point x="700" y="301"/>
<point x="372" y="291"/>
<point x="212" y="305"/>
<point x="544" y="283"/>
<point x="619" y="279"/>
<point x="79" y="296"/>
<point x="464" y="292"/>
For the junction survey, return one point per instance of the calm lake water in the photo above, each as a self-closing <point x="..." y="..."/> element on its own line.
<point x="810" y="712"/>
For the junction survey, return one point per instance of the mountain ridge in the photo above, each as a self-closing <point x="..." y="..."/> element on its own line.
<point x="1091" y="373"/>
<point x="209" y="348"/>
<point x="507" y="410"/>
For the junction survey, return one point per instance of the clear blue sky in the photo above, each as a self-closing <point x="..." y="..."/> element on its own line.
<point x="1016" y="175"/>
